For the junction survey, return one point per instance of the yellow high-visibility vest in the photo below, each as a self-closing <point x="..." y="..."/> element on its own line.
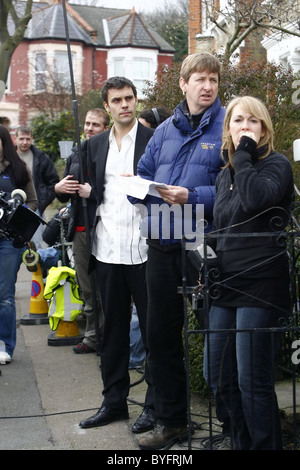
<point x="62" y="291"/>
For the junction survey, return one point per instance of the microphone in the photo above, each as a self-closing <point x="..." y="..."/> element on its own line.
<point x="19" y="196"/>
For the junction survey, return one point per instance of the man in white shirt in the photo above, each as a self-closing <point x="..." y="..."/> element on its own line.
<point x="119" y="252"/>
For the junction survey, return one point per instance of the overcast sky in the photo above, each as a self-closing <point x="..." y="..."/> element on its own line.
<point x="140" y="5"/>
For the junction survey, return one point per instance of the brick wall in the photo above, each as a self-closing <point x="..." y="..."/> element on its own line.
<point x="251" y="48"/>
<point x="194" y="24"/>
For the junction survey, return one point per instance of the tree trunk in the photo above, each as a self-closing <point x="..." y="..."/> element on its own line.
<point x="8" y="43"/>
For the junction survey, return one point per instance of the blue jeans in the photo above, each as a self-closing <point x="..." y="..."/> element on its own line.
<point x="10" y="261"/>
<point x="239" y="366"/>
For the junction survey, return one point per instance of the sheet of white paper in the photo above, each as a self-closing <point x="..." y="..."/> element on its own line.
<point x="139" y="187"/>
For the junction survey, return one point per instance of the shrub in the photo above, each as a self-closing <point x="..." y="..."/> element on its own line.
<point x="196" y="354"/>
<point x="48" y="132"/>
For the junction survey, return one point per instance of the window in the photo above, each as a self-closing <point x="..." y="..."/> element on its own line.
<point x="118" y="68"/>
<point x="61" y="76"/>
<point x="40" y="71"/>
<point x="141" y="73"/>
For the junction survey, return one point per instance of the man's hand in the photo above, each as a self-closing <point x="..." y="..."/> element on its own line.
<point x="174" y="194"/>
<point x="84" y="190"/>
<point x="67" y="185"/>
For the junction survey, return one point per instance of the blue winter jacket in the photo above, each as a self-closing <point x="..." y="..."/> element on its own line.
<point x="178" y="155"/>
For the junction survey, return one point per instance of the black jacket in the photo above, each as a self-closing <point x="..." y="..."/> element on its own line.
<point x="97" y="152"/>
<point x="98" y="147"/>
<point x="255" y="198"/>
<point x="77" y="216"/>
<point x="45" y="177"/>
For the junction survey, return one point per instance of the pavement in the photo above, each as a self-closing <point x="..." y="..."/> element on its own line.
<point x="47" y="390"/>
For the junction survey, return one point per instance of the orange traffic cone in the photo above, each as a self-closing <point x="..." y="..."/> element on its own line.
<point x="38" y="313"/>
<point x="66" y="334"/>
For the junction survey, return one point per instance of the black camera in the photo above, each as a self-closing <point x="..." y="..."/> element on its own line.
<point x="17" y="221"/>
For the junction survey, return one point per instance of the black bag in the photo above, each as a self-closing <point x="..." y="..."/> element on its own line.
<point x="52" y="232"/>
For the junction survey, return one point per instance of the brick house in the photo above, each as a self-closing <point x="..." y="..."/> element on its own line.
<point x="104" y="42"/>
<point x="204" y="35"/>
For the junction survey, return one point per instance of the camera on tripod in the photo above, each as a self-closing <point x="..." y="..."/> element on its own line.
<point x="17" y="221"/>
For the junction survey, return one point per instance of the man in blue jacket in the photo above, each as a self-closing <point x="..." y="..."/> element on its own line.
<point x="185" y="154"/>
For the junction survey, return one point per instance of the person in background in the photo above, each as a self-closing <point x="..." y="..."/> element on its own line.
<point x="254" y="194"/>
<point x="14" y="174"/>
<point x="184" y="153"/>
<point x="5" y="121"/>
<point x="153" y="117"/>
<point x="96" y="121"/>
<point x="43" y="172"/>
<point x="119" y="252"/>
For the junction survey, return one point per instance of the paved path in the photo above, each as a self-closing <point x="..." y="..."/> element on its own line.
<point x="47" y="390"/>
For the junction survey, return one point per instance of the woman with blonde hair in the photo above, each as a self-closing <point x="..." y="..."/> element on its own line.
<point x="257" y="109"/>
<point x="254" y="195"/>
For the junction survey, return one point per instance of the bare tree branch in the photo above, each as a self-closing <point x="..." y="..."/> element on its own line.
<point x="8" y="43"/>
<point x="238" y="19"/>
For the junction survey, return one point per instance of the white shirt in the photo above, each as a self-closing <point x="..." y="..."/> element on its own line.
<point x="117" y="237"/>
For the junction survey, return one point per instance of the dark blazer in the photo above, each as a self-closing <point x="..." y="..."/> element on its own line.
<point x="97" y="152"/>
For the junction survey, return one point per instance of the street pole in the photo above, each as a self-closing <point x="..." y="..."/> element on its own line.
<point x="83" y="200"/>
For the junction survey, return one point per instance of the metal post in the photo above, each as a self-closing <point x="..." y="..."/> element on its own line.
<point x="83" y="200"/>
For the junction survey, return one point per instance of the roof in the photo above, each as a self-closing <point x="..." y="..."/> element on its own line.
<point x="125" y="28"/>
<point x="48" y="23"/>
<point x="101" y="27"/>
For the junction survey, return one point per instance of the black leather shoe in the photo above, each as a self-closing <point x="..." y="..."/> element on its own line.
<point x="145" y="422"/>
<point x="104" y="416"/>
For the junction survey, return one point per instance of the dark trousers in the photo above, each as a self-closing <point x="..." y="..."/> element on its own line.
<point x="81" y="259"/>
<point x="165" y="325"/>
<point x="119" y="284"/>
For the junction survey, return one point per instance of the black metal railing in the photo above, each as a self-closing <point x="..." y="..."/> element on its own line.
<point x="207" y="433"/>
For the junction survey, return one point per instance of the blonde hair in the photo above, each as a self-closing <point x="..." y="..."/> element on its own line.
<point x="199" y="62"/>
<point x="256" y="108"/>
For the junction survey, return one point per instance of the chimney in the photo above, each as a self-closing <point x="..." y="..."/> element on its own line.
<point x="195" y="26"/>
